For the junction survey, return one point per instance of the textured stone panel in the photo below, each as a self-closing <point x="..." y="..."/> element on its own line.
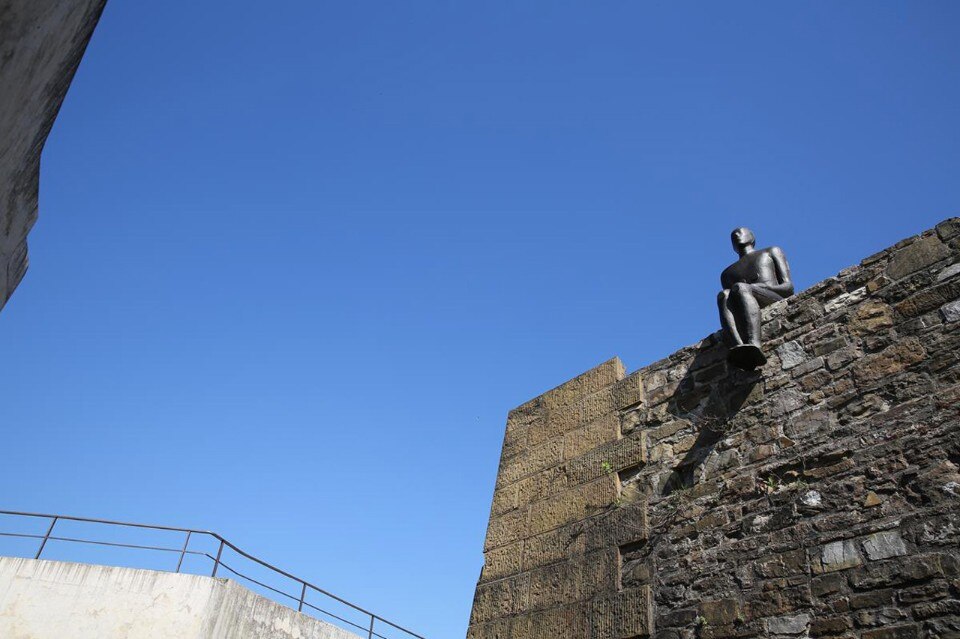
<point x="817" y="497"/>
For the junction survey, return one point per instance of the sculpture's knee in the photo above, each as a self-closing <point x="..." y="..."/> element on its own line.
<point x="741" y="289"/>
<point x="722" y="297"/>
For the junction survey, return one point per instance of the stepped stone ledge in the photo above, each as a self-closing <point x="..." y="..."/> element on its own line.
<point x="818" y="496"/>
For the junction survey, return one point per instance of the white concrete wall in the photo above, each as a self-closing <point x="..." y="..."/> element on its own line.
<point x="61" y="600"/>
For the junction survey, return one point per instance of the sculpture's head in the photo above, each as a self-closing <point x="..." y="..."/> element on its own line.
<point x="743" y="240"/>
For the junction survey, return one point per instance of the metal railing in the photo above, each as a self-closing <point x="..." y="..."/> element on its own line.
<point x="184" y="551"/>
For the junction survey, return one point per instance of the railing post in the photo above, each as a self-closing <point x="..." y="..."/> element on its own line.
<point x="46" y="537"/>
<point x="303" y="596"/>
<point x="216" y="562"/>
<point x="370" y="634"/>
<point x="183" y="552"/>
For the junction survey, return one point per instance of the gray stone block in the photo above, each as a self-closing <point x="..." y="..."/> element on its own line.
<point x="884" y="545"/>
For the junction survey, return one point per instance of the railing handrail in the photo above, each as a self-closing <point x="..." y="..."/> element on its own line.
<point x="223" y="542"/>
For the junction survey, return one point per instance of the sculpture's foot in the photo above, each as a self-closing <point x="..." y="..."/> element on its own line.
<point x="746" y="356"/>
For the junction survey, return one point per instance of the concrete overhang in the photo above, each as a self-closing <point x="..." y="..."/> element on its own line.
<point x="41" y="43"/>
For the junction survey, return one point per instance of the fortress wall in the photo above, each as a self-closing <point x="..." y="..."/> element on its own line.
<point x="819" y="496"/>
<point x="55" y="600"/>
<point x="41" y="43"/>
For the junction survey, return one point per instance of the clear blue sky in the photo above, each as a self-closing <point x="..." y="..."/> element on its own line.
<point x="296" y="260"/>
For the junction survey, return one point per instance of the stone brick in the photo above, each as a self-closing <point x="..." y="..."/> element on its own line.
<point x="609" y="458"/>
<point x="555" y="423"/>
<point x="903" y="570"/>
<point x="553" y="546"/>
<point x="791" y="354"/>
<point x="525" y="413"/>
<point x="899" y="632"/>
<point x="503" y="561"/>
<point x="810" y="424"/>
<point x="504" y="499"/>
<point x="948" y="228"/>
<point x="598" y="405"/>
<point x="793" y="562"/>
<point x="572" y="620"/>
<point x="840" y="555"/>
<point x="951" y="271"/>
<point x="929" y="299"/>
<point x="890" y="361"/>
<point x="883" y="545"/>
<point x="721" y="612"/>
<point x="936" y="609"/>
<point x="918" y="255"/>
<point x="871" y="317"/>
<point x="628" y="391"/>
<point x="628" y="614"/>
<point x="573" y="505"/>
<point x="499" y="629"/>
<point x="813" y="364"/>
<point x="872" y="599"/>
<point x="500" y="598"/>
<point x="506" y="528"/>
<point x="830" y="626"/>
<point x="541" y="485"/>
<point x="792" y="625"/>
<point x="839" y="359"/>
<point x="847" y="299"/>
<point x="951" y="312"/>
<point x="602" y="376"/>
<point x="531" y="461"/>
<point x="553" y="585"/>
<point x="601" y="431"/>
<point x="827" y="584"/>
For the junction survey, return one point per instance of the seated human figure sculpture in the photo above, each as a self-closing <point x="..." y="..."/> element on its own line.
<point x="759" y="278"/>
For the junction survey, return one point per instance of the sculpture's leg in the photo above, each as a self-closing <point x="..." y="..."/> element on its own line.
<point x="727" y="319"/>
<point x="748" y="313"/>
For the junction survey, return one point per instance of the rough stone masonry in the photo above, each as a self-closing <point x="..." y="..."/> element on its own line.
<point x="817" y="497"/>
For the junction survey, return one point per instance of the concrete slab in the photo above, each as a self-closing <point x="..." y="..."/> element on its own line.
<point x="42" y="599"/>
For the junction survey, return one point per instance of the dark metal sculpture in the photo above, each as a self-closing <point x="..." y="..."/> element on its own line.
<point x="759" y="278"/>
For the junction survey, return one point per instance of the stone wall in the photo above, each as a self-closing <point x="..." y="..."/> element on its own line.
<point x="817" y="497"/>
<point x="41" y="43"/>
<point x="61" y="600"/>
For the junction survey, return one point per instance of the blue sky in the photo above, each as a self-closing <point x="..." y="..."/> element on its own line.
<point x="295" y="262"/>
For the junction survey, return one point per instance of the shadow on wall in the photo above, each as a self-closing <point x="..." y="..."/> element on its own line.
<point x="709" y="396"/>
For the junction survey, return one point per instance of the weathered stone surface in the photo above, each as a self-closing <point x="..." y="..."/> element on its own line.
<point x="883" y="545"/>
<point x="929" y="299"/>
<point x="951" y="312"/>
<point x="951" y="271"/>
<point x="948" y="228"/>
<point x="583" y="440"/>
<point x="871" y="317"/>
<point x="889" y="361"/>
<point x="502" y="561"/>
<point x="629" y="391"/>
<point x="573" y="505"/>
<point x="625" y="614"/>
<point x="720" y="613"/>
<point x="791" y="354"/>
<point x="819" y="497"/>
<point x="918" y="255"/>
<point x="840" y="555"/>
<point x="793" y="625"/>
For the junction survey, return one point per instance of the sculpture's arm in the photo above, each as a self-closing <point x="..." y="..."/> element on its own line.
<point x="726" y="281"/>
<point x="785" y="287"/>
